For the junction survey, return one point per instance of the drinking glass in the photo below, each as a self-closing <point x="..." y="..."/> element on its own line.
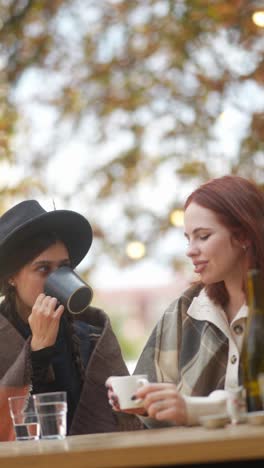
<point x="51" y="409"/>
<point x="24" y="417"/>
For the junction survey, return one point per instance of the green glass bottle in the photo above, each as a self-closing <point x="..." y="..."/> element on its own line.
<point x="252" y="357"/>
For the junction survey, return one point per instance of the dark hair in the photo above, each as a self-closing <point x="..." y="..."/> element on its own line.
<point x="239" y="205"/>
<point x="24" y="253"/>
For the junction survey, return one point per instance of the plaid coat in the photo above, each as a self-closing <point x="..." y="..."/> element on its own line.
<point x="190" y="353"/>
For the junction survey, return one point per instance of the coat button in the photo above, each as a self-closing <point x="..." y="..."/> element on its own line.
<point x="238" y="329"/>
<point x="233" y="359"/>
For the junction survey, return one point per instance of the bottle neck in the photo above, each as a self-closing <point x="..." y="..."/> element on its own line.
<point x="255" y="292"/>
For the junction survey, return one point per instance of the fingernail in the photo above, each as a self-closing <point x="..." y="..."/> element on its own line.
<point x="133" y="397"/>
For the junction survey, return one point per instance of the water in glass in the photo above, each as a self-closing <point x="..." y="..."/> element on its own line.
<point x="52" y="419"/>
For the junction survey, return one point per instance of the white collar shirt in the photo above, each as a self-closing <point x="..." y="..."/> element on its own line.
<point x="203" y="308"/>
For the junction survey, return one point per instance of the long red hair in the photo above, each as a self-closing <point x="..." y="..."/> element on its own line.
<point x="239" y="205"/>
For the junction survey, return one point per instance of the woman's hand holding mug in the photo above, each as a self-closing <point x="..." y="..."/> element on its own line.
<point x="122" y="391"/>
<point x="44" y="321"/>
<point x="160" y="401"/>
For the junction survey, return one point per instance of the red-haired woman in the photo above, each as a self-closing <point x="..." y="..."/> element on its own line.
<point x="193" y="354"/>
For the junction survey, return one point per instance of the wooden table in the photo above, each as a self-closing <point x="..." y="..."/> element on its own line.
<point x="148" y="448"/>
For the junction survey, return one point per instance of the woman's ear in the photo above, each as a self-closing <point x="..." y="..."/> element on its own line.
<point x="241" y="240"/>
<point x="245" y="244"/>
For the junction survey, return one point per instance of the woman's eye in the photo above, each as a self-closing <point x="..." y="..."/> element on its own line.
<point x="43" y="269"/>
<point x="204" y="237"/>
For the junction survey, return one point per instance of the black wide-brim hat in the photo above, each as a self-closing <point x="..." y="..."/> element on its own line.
<point x="28" y="218"/>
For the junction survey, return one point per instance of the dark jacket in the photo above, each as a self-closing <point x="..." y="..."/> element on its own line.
<point x="93" y="413"/>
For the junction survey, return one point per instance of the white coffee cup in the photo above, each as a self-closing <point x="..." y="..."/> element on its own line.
<point x="125" y="387"/>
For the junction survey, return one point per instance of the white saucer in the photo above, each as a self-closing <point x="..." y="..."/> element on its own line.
<point x="214" y="421"/>
<point x="256" y="418"/>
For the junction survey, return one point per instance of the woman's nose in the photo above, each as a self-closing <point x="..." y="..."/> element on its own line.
<point x="192" y="251"/>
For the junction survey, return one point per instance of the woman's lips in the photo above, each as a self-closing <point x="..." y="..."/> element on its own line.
<point x="199" y="267"/>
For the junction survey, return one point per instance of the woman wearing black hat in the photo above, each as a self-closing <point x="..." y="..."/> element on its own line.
<point x="42" y="347"/>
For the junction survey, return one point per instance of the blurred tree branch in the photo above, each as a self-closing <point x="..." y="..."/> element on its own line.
<point x="156" y="76"/>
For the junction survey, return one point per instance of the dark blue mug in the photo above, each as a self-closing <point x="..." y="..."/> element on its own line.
<point x="69" y="289"/>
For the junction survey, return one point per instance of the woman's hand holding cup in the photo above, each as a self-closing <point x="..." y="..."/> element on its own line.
<point x="44" y="321"/>
<point x="162" y="401"/>
<point x="134" y="394"/>
<point x="122" y="393"/>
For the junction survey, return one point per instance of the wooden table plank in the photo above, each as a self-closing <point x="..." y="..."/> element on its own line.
<point x="157" y="447"/>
